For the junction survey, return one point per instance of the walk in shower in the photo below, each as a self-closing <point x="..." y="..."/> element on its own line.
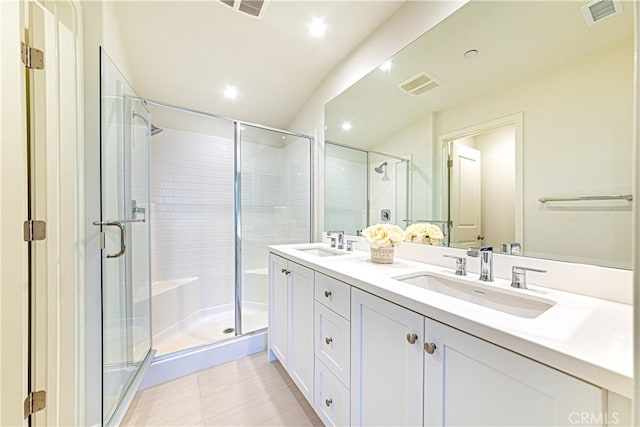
<point x="221" y="192"/>
<point x="189" y="203"/>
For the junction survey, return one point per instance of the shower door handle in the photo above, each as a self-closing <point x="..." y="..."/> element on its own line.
<point x="123" y="236"/>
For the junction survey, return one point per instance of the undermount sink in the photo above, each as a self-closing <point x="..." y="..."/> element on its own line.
<point x="321" y="252"/>
<point x="504" y="300"/>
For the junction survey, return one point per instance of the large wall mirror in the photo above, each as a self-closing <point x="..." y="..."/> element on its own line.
<point x="518" y="120"/>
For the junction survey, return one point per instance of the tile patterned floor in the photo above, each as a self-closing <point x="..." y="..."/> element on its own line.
<point x="245" y="392"/>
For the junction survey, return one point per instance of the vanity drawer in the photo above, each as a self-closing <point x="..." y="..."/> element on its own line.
<point x="332" y="342"/>
<point x="332" y="400"/>
<point x="334" y="294"/>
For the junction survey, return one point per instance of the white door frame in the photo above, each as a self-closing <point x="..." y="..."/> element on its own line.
<point x="516" y="120"/>
<point x="55" y="28"/>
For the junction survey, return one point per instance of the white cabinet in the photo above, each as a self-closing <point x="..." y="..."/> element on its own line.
<point x="332" y="349"/>
<point x="471" y="382"/>
<point x="278" y="307"/>
<point x="291" y="320"/>
<point x="386" y="362"/>
<point x="331" y="397"/>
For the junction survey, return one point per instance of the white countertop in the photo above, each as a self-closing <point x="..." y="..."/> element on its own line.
<point x="586" y="337"/>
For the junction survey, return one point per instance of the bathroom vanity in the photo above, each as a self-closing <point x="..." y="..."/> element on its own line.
<point x="371" y="344"/>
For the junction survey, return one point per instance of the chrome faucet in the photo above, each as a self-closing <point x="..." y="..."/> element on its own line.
<point x="461" y="264"/>
<point x="485" y="253"/>
<point x="519" y="276"/>
<point x="333" y="239"/>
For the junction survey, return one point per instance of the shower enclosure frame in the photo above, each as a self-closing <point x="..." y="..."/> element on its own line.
<point x="237" y="185"/>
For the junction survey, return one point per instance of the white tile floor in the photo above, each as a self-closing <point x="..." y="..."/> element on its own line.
<point x="246" y="392"/>
<point x="208" y="329"/>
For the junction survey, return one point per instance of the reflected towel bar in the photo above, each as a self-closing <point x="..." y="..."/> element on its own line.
<point x="627" y="197"/>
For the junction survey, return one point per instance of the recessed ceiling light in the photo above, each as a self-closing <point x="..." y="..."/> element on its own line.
<point x="386" y="66"/>
<point x="472" y="53"/>
<point x="317" y="28"/>
<point x="230" y="92"/>
<point x="346" y="126"/>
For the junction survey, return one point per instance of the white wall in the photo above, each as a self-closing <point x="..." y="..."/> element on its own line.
<point x="409" y="22"/>
<point x="591" y="137"/>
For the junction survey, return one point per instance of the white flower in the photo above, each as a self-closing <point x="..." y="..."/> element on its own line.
<point x="417" y="233"/>
<point x="383" y="235"/>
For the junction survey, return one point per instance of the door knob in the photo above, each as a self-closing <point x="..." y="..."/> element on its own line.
<point x="327" y="294"/>
<point x="328" y="402"/>
<point x="328" y="340"/>
<point x="412" y="338"/>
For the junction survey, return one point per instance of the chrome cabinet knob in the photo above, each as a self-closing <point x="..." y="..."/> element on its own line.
<point x="327" y="294"/>
<point x="328" y="340"/>
<point x="412" y="338"/>
<point x="430" y="347"/>
<point x="328" y="402"/>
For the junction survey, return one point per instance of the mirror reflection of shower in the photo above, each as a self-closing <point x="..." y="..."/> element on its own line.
<point x="382" y="169"/>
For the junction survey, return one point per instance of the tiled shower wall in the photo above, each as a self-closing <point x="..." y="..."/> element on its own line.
<point x="193" y="213"/>
<point x="192" y="195"/>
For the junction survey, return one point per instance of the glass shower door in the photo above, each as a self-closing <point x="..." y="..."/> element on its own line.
<point x="274" y="207"/>
<point x="126" y="331"/>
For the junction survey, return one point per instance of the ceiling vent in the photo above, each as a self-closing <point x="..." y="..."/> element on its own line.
<point x="598" y="10"/>
<point x="420" y="83"/>
<point x="254" y="8"/>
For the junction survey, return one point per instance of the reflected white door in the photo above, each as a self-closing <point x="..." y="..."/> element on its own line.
<point x="465" y="197"/>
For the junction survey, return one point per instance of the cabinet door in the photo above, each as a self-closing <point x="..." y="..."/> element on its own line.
<point x="471" y="382"/>
<point x="386" y="369"/>
<point x="278" y="307"/>
<point x="300" y="358"/>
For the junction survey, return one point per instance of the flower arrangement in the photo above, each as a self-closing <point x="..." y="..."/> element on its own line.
<point x="383" y="235"/>
<point x="423" y="233"/>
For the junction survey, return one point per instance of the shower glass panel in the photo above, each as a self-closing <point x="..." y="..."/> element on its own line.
<point x="193" y="238"/>
<point x="274" y="208"/>
<point x="346" y="189"/>
<point x="124" y="177"/>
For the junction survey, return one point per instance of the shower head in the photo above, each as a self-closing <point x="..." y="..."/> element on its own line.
<point x="155" y="129"/>
<point x="380" y="168"/>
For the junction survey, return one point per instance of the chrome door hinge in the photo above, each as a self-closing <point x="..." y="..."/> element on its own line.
<point x="32" y="57"/>
<point x="36" y="401"/>
<point x="35" y="230"/>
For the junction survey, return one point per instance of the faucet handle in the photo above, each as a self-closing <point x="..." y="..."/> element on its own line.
<point x="519" y="276"/>
<point x="333" y="240"/>
<point x="350" y="245"/>
<point x="461" y="264"/>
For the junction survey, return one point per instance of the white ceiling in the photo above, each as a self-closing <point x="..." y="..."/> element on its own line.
<point x="185" y="53"/>
<point x="516" y="40"/>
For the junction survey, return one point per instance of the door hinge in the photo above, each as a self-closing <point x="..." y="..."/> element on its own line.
<point x="32" y="57"/>
<point x="450" y="163"/>
<point x="35" y="230"/>
<point x="36" y="401"/>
